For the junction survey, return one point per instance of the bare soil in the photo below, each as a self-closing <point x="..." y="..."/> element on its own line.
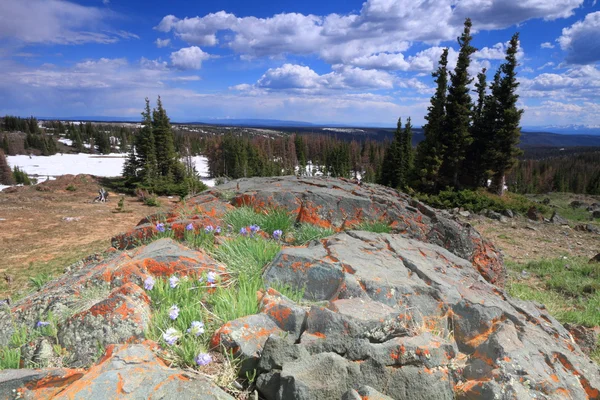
<point x="45" y="228"/>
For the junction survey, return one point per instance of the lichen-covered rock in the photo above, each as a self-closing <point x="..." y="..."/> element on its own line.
<point x="365" y="392"/>
<point x="288" y="316"/>
<point x="245" y="337"/>
<point x="101" y="301"/>
<point x="412" y="320"/>
<point x="341" y="203"/>
<point x="125" y="372"/>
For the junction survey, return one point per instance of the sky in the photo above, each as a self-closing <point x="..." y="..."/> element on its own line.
<point x="336" y="61"/>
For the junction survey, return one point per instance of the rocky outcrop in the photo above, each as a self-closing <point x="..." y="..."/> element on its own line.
<point x="412" y="321"/>
<point x="416" y="314"/>
<point x="338" y="204"/>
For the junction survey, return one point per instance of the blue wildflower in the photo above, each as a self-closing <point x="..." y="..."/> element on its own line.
<point x="203" y="359"/>
<point x="197" y="328"/>
<point x="160" y="227"/>
<point x="171" y="336"/>
<point x="211" y="278"/>
<point x="149" y="283"/>
<point x="173" y="282"/>
<point x="254" y="229"/>
<point x="173" y="312"/>
<point x="189" y="227"/>
<point x="41" y="324"/>
<point x="208" y="229"/>
<point x="218" y="229"/>
<point x="243" y="231"/>
<point x="277" y="234"/>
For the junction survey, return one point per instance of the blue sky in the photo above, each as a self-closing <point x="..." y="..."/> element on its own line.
<point x="351" y="62"/>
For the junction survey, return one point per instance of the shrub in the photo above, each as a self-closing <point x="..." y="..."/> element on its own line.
<point x="152" y="201"/>
<point x="21" y="177"/>
<point x="71" y="188"/>
<point x="477" y="200"/>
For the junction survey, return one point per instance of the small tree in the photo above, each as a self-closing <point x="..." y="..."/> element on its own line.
<point x="6" y="175"/>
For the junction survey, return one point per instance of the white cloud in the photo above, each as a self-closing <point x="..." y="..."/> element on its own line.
<point x="547" y="45"/>
<point x="582" y="40"/>
<point x="189" y="58"/>
<point x="497" y="52"/>
<point x="373" y="38"/>
<point x="105" y="2"/>
<point x="55" y="22"/>
<point x="576" y="84"/>
<point x="548" y="64"/>
<point x="301" y="78"/>
<point x="162" y="42"/>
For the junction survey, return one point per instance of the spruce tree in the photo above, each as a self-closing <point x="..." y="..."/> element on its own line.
<point x="430" y="151"/>
<point x="476" y="168"/>
<point x="6" y="175"/>
<point x="456" y="136"/>
<point x="407" y="155"/>
<point x="390" y="167"/>
<point x="5" y="146"/>
<point x="166" y="157"/>
<point x="507" y="133"/>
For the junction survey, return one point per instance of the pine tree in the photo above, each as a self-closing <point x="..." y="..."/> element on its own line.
<point x="5" y="146"/>
<point x="456" y="136"/>
<point x="166" y="157"/>
<point x="430" y="151"/>
<point x="390" y="167"/>
<point x="6" y="175"/>
<point x="407" y="155"/>
<point x="477" y="166"/>
<point x="506" y="136"/>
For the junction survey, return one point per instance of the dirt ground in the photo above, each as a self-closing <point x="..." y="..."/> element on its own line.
<point x="45" y="228"/>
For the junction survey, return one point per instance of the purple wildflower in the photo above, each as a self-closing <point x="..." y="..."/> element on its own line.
<point x="197" y="328"/>
<point x="218" y="229"/>
<point x="277" y="234"/>
<point x="243" y="231"/>
<point x="203" y="359"/>
<point x="149" y="283"/>
<point x="254" y="229"/>
<point x="189" y="227"/>
<point x="173" y="312"/>
<point x="41" y="324"/>
<point x="173" y="282"/>
<point x="160" y="227"/>
<point x="171" y="336"/>
<point x="211" y="278"/>
<point x="208" y="229"/>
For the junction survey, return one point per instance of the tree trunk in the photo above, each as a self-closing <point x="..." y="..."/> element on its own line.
<point x="497" y="186"/>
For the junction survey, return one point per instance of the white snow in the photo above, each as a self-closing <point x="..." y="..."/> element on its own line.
<point x="93" y="164"/>
<point x="68" y="142"/>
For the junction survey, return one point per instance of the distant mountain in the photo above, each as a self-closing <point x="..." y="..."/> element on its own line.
<point x="566" y="129"/>
<point x="251" y="122"/>
<point x="546" y="139"/>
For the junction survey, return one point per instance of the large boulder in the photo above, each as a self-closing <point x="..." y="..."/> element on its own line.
<point x="411" y="320"/>
<point x="341" y="204"/>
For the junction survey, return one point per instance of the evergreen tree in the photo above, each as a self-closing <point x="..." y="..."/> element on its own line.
<point x="5" y="144"/>
<point x="456" y="136"/>
<point x="506" y="137"/>
<point x="477" y="166"/>
<point x="390" y="168"/>
<point x="407" y="155"/>
<point x="6" y="175"/>
<point x="430" y="151"/>
<point x="166" y="157"/>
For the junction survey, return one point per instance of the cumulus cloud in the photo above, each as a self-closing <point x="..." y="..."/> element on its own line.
<point x="189" y="58"/>
<point x="547" y="45"/>
<point x="582" y="40"/>
<point x="548" y="64"/>
<point x="162" y="42"/>
<point x="578" y="83"/>
<point x="375" y="36"/>
<point x="56" y="22"/>
<point x="302" y="78"/>
<point x="497" y="52"/>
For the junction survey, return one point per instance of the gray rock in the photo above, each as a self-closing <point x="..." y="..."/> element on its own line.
<point x="494" y="215"/>
<point x="596" y="214"/>
<point x="285" y="313"/>
<point x="508" y="213"/>
<point x="558" y="220"/>
<point x="365" y="392"/>
<point x="465" y="214"/>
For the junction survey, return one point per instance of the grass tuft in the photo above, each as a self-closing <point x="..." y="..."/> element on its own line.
<point x="373" y="226"/>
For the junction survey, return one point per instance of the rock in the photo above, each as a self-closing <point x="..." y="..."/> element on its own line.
<point x="245" y="337"/>
<point x="393" y="302"/>
<point x="586" y="338"/>
<point x="341" y="203"/>
<point x="465" y="214"/>
<point x="126" y="372"/>
<point x="595" y="259"/>
<point x="545" y="201"/>
<point x="558" y="220"/>
<point x="364" y="392"/>
<point x="285" y="313"/>
<point x="587" y="228"/>
<point x="578" y="204"/>
<point x="100" y="301"/>
<point x="596" y="214"/>
<point x="508" y="213"/>
<point x="494" y="215"/>
<point x="534" y="214"/>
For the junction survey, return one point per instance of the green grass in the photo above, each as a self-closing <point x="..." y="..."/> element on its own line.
<point x="569" y="287"/>
<point x="562" y="202"/>
<point x="268" y="220"/>
<point x="373" y="226"/>
<point x="40" y="279"/>
<point x="307" y="232"/>
<point x="9" y="358"/>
